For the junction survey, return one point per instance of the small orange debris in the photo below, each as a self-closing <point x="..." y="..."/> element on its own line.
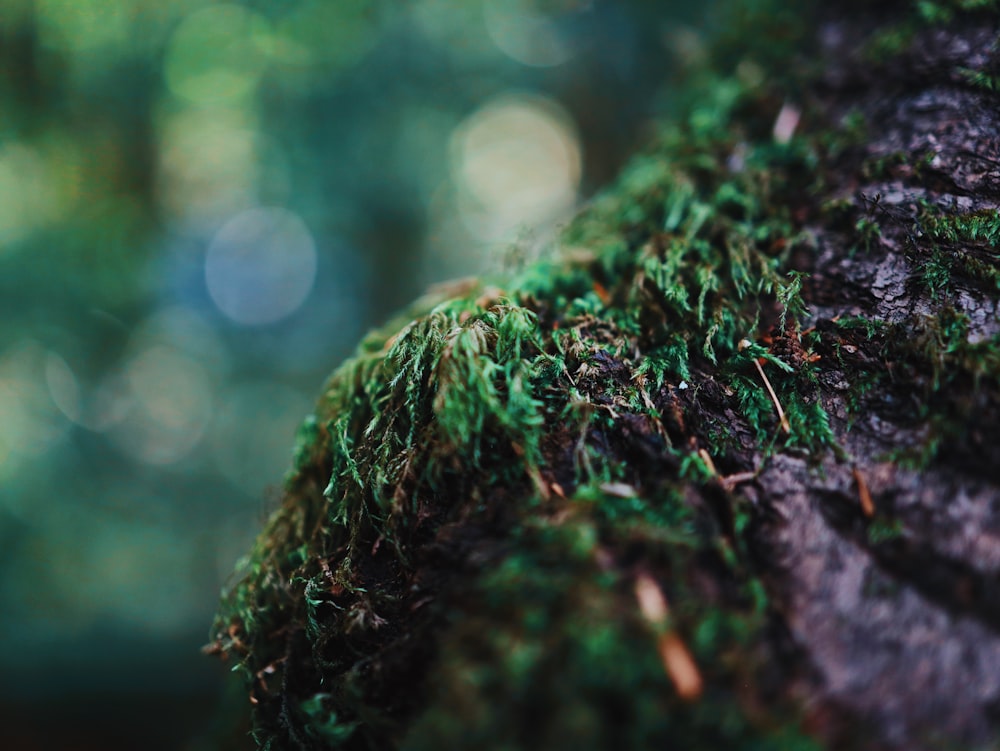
<point x="867" y="506"/>
<point x="652" y="603"/>
<point x="677" y="661"/>
<point x="602" y="292"/>
<point x="707" y="458"/>
<point x="679" y="664"/>
<point x="729" y="482"/>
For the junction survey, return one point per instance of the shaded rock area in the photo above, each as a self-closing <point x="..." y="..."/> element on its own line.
<point x="901" y="624"/>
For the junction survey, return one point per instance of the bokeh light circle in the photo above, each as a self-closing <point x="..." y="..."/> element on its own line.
<point x="261" y="266"/>
<point x="209" y="162"/>
<point x="171" y="404"/>
<point x="524" y="33"/>
<point x="217" y="54"/>
<point x="518" y="159"/>
<point x="334" y="34"/>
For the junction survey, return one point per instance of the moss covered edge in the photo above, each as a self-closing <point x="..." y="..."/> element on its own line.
<point x="514" y="520"/>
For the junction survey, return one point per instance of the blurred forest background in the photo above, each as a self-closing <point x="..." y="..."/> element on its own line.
<point x="202" y="208"/>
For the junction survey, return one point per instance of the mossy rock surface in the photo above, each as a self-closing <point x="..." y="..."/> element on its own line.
<point x="720" y="473"/>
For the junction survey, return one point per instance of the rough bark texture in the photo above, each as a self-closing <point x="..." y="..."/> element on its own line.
<point x="903" y="632"/>
<point x="518" y="483"/>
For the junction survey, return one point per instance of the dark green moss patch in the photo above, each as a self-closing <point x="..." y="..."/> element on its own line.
<point x="938" y="377"/>
<point x="962" y="245"/>
<point x="884" y="530"/>
<point x="554" y="636"/>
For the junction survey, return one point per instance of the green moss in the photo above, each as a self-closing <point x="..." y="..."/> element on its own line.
<point x="941" y="349"/>
<point x="322" y="722"/>
<point x="981" y="79"/>
<point x="715" y="242"/>
<point x="858" y="333"/>
<point x="898" y="38"/>
<point x="446" y="384"/>
<point x="882" y="530"/>
<point x="869" y="327"/>
<point x="523" y="423"/>
<point x="944" y="11"/>
<point x="766" y="34"/>
<point x="897" y="164"/>
<point x="554" y="637"/>
<point x="974" y="227"/>
<point x="890" y="43"/>
<point x="869" y="232"/>
<point x="934" y="364"/>
<point x="962" y="245"/>
<point x="679" y="264"/>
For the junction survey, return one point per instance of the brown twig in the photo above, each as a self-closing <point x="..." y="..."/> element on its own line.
<point x="674" y="654"/>
<point x="774" y="398"/>
<point x="867" y="506"/>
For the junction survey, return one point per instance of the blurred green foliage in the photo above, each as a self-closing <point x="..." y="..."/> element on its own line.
<point x="202" y="207"/>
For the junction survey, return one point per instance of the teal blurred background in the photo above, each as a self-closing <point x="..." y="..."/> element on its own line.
<point x="202" y="208"/>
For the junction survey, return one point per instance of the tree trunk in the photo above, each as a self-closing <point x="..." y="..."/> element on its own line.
<point x="722" y="474"/>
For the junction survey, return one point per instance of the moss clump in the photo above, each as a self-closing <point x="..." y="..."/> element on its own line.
<point x="961" y="245"/>
<point x="486" y="491"/>
<point x="939" y="378"/>
<point x="477" y="492"/>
